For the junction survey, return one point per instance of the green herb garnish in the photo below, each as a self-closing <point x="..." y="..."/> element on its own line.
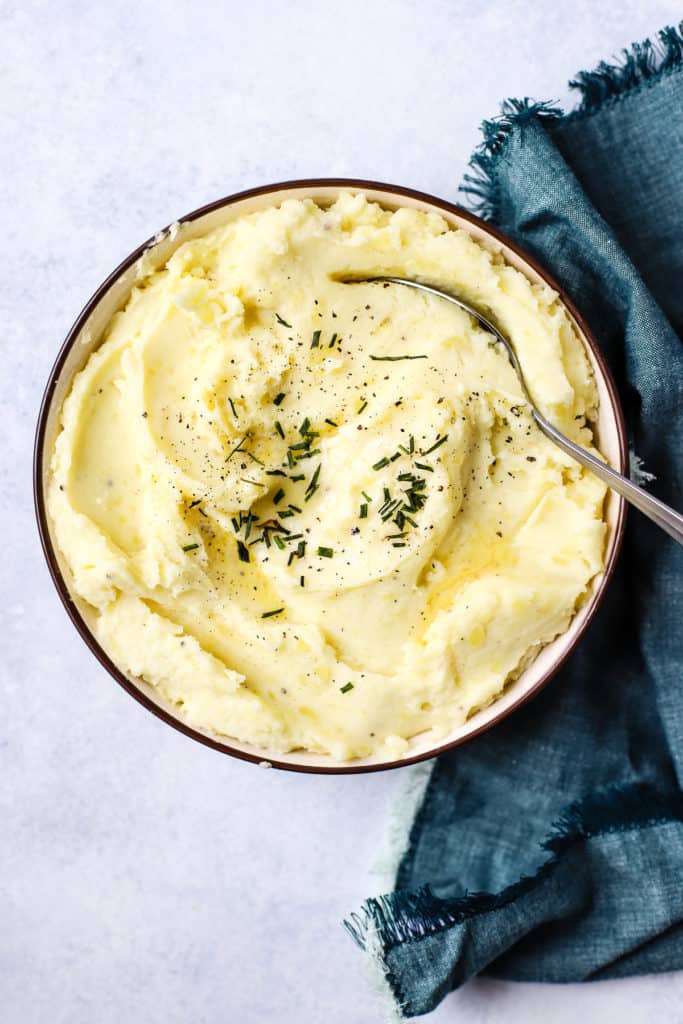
<point x="278" y="427"/>
<point x="232" y="406"/>
<point x="394" y="359"/>
<point x="196" y="502"/>
<point x="279" y="495"/>
<point x="363" y="514"/>
<point x="423" y="465"/>
<point x="437" y="444"/>
<point x="269" y="615"/>
<point x="279" y="398"/>
<point x="326" y="552"/>
<point x="381" y="464"/>
<point x="237" y="448"/>
<point x="316" y="339"/>
<point x="190" y="547"/>
<point x="362" y="408"/>
<point x="243" y="552"/>
<point x="279" y="541"/>
<point x="346" y="688"/>
<point x="281" y="321"/>
<point x="313" y="484"/>
<point x="332" y="423"/>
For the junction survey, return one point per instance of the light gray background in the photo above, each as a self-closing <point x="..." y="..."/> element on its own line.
<point x="144" y="878"/>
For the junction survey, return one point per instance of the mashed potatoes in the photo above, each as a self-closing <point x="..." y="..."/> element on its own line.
<point x="318" y="515"/>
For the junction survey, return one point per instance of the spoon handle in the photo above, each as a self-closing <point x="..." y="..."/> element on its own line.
<point x="666" y="518"/>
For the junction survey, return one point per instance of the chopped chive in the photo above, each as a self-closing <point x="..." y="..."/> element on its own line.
<point x="331" y="423"/>
<point x="387" y="494"/>
<point x="437" y="444"/>
<point x="292" y="555"/>
<point x="366" y="496"/>
<point x="275" y="472"/>
<point x="308" y="455"/>
<point x="235" y="525"/>
<point x="232" y="406"/>
<point x="411" y="444"/>
<point x="243" y="552"/>
<point x="190" y="547"/>
<point x="299" y="476"/>
<point x="236" y="448"/>
<point x="290" y="461"/>
<point x="331" y="344"/>
<point x="346" y="688"/>
<point x="363" y="513"/>
<point x="285" y="513"/>
<point x="278" y="496"/>
<point x="326" y="552"/>
<point x="398" y="544"/>
<point x="299" y="446"/>
<point x="279" y="398"/>
<point x="281" y="321"/>
<point x="316" y="339"/>
<point x="254" y="459"/>
<point x="269" y="615"/>
<point x="301" y="581"/>
<point x="362" y="408"/>
<point x="294" y="508"/>
<point x="301" y="549"/>
<point x="254" y="483"/>
<point x="250" y="519"/>
<point x="303" y="429"/>
<point x="423" y="465"/>
<point x="196" y="502"/>
<point x="313" y="484"/>
<point x="396" y="455"/>
<point x="394" y="359"/>
<point x="381" y="464"/>
<point x="279" y="541"/>
<point x="278" y="427"/>
<point x="406" y="476"/>
<point x="202" y="513"/>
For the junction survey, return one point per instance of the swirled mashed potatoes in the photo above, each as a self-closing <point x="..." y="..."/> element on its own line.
<point x="318" y="515"/>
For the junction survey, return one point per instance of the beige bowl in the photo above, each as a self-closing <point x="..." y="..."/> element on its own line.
<point x="85" y="336"/>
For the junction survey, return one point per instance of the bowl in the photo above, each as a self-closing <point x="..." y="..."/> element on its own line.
<point x="85" y="336"/>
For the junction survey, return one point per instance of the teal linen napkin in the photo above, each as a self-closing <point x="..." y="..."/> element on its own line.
<point x="551" y="849"/>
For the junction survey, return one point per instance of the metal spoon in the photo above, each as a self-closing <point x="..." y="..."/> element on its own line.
<point x="666" y="518"/>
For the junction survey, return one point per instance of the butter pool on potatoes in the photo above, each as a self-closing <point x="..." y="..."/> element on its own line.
<point x="301" y="536"/>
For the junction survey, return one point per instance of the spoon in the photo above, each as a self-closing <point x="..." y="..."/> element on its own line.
<point x="666" y="518"/>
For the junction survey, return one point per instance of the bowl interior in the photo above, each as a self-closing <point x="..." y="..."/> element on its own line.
<point x="85" y="338"/>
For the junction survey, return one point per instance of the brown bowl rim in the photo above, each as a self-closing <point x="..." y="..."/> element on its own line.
<point x="355" y="184"/>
